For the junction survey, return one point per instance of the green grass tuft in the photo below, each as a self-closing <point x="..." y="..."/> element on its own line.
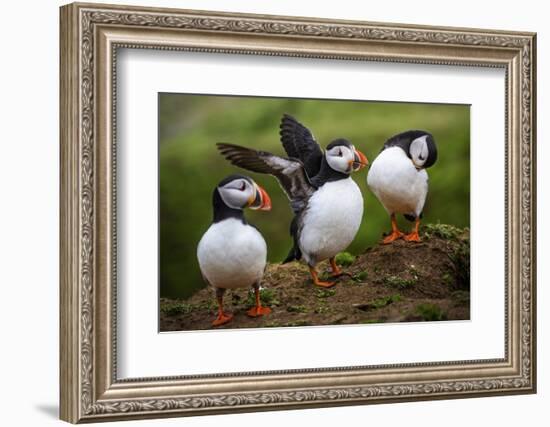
<point x="445" y="231"/>
<point x="361" y="276"/>
<point x="268" y="297"/>
<point x="398" y="282"/>
<point x="322" y="309"/>
<point x="296" y="309"/>
<point x="176" y="308"/>
<point x="380" y="302"/>
<point x="325" y="293"/>
<point x="345" y="259"/>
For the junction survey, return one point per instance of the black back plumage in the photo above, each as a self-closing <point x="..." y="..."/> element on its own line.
<point x="404" y="140"/>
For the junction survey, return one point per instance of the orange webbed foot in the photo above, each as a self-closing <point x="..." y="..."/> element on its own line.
<point x="258" y="311"/>
<point x="222" y="319"/>
<point x="318" y="282"/>
<point x="395" y="235"/>
<point x="324" y="284"/>
<point x="412" y="237"/>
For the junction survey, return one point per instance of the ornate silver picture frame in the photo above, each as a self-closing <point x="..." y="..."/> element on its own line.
<point x="91" y="34"/>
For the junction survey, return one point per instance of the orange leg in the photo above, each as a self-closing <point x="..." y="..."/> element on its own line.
<point x="395" y="233"/>
<point x="258" y="310"/>
<point x="413" y="236"/>
<point x="336" y="271"/>
<point x="316" y="280"/>
<point x="222" y="318"/>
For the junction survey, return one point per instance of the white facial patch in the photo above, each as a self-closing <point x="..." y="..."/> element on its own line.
<point x="419" y="151"/>
<point x="237" y="193"/>
<point x="340" y="158"/>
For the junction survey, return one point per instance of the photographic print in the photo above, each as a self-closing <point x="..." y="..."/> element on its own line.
<point x="278" y="212"/>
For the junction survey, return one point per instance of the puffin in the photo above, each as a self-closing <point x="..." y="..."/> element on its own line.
<point x="232" y="253"/>
<point x="399" y="180"/>
<point x="327" y="204"/>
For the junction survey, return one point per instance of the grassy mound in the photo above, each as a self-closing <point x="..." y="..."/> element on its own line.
<point x="400" y="282"/>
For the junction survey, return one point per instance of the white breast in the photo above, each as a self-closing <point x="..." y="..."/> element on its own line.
<point x="232" y="254"/>
<point x="331" y="220"/>
<point x="397" y="184"/>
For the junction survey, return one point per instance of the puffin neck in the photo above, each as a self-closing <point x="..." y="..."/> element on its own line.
<point x="222" y="211"/>
<point x="327" y="174"/>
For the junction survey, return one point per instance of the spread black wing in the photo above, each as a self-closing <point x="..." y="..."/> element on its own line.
<point x="290" y="173"/>
<point x="299" y="143"/>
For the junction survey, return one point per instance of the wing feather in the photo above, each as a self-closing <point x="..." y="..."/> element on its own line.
<point x="290" y="173"/>
<point x="299" y="143"/>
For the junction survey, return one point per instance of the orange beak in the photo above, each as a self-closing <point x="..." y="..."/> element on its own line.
<point x="262" y="201"/>
<point x="360" y="161"/>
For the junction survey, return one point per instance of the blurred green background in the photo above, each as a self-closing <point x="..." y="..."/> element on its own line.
<point x="190" y="167"/>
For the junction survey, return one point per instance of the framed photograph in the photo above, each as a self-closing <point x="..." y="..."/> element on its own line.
<point x="266" y="212"/>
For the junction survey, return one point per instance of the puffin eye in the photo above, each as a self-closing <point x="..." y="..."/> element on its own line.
<point x="243" y="186"/>
<point x="340" y="153"/>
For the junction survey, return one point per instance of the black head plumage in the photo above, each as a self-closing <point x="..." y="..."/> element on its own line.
<point x="405" y="139"/>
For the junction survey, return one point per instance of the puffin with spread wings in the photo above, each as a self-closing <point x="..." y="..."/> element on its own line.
<point x="327" y="203"/>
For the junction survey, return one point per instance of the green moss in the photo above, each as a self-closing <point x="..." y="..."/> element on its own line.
<point x="345" y="259"/>
<point x="361" y="276"/>
<point x="325" y="293"/>
<point x="296" y="309"/>
<point x="268" y="297"/>
<point x="176" y="308"/>
<point x="430" y="312"/>
<point x="445" y="231"/>
<point x="206" y="305"/>
<point x="322" y="309"/>
<point x="398" y="282"/>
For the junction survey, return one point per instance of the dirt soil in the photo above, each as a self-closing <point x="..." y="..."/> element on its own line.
<point x="399" y="282"/>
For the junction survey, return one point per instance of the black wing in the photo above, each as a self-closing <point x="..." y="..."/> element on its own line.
<point x="289" y="172"/>
<point x="299" y="143"/>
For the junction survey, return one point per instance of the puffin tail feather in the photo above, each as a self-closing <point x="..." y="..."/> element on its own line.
<point x="412" y="218"/>
<point x="293" y="255"/>
<point x="409" y="217"/>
